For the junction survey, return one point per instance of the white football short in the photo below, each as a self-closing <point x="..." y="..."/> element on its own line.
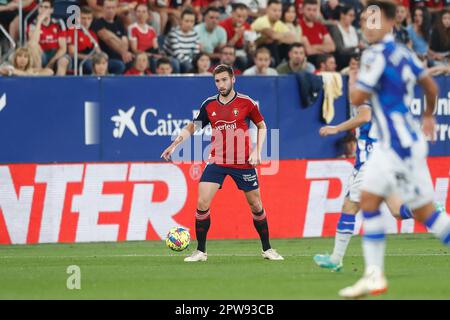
<point x="354" y="184"/>
<point x="386" y="173"/>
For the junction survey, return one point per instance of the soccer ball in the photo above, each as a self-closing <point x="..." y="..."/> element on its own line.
<point x="178" y="239"/>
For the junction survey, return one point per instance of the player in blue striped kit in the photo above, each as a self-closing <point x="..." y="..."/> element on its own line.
<point x="387" y="77"/>
<point x="366" y="142"/>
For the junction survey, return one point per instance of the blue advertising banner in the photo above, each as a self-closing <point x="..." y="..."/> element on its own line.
<point x="70" y="119"/>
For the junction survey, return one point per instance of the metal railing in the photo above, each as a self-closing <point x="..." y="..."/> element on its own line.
<point x="4" y="57"/>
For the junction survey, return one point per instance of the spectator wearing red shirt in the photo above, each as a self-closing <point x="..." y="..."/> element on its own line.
<point x="141" y="66"/>
<point x="315" y="34"/>
<point x="143" y="37"/>
<point x="236" y="28"/>
<point x="85" y="44"/>
<point x="47" y="40"/>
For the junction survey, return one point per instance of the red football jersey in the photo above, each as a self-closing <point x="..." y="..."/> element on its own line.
<point x="230" y="141"/>
<point x="315" y="34"/>
<point x="84" y="42"/>
<point x="50" y="34"/>
<point x="227" y="24"/>
<point x="144" y="37"/>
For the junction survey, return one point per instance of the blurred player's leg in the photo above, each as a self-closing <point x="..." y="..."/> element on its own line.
<point x="437" y="222"/>
<point x="206" y="191"/>
<point x="260" y="223"/>
<point x="344" y="232"/>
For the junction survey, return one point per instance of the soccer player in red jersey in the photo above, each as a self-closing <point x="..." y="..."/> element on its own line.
<point x="228" y="112"/>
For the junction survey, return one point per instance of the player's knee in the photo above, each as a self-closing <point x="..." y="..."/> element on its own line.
<point x="203" y="204"/>
<point x="370" y="202"/>
<point x="255" y="206"/>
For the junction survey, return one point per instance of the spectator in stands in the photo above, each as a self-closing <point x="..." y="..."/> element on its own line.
<point x="440" y="39"/>
<point x="183" y="42"/>
<point x="236" y="28"/>
<point x="419" y="31"/>
<point x="345" y="37"/>
<point x="10" y="10"/>
<point x="297" y="61"/>
<point x="225" y="8"/>
<point x="47" y="40"/>
<point x="273" y="32"/>
<point x="100" y="64"/>
<point x="23" y="65"/>
<point x="228" y="57"/>
<point x="326" y="63"/>
<point x="163" y="67"/>
<point x="400" y="32"/>
<point x="85" y="44"/>
<point x="141" y="66"/>
<point x="256" y="8"/>
<point x="211" y="35"/>
<point x="113" y="38"/>
<point x="348" y="146"/>
<point x="316" y="37"/>
<point x="143" y="37"/>
<point x="262" y="64"/>
<point x="330" y="10"/>
<point x="289" y="17"/>
<point x="202" y="63"/>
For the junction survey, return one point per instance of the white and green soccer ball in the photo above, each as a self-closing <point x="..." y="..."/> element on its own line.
<point x="178" y="238"/>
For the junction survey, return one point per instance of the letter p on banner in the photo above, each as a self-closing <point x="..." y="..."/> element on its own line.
<point x="74" y="280"/>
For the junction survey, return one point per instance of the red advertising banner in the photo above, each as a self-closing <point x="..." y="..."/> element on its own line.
<point x="141" y="201"/>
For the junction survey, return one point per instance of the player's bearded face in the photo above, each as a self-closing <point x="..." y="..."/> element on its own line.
<point x="224" y="83"/>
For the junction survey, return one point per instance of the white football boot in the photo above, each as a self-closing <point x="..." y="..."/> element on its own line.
<point x="197" y="255"/>
<point x="372" y="283"/>
<point x="271" y="254"/>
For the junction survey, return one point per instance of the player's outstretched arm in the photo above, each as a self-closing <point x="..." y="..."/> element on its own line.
<point x="431" y="91"/>
<point x="363" y="116"/>
<point x="185" y="133"/>
<point x="255" y="157"/>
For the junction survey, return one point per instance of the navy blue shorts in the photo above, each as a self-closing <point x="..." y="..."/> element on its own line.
<point x="245" y="179"/>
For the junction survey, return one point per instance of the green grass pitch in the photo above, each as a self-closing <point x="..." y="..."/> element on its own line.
<point x="417" y="267"/>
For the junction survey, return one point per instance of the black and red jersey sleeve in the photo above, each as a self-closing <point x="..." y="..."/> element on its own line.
<point x="202" y="118"/>
<point x="254" y="114"/>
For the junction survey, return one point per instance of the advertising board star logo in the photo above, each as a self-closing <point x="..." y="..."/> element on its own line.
<point x="124" y="120"/>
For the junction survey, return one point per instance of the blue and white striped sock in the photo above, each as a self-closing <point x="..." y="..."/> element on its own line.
<point x="439" y="224"/>
<point x="405" y="212"/>
<point x="344" y="232"/>
<point x="374" y="239"/>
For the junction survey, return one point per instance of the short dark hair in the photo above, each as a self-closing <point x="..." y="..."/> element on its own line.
<point x="387" y="7"/>
<point x="223" y="68"/>
<point x="313" y="2"/>
<point x="187" y="11"/>
<point x="86" y="10"/>
<point x="296" y="45"/>
<point x="239" y="6"/>
<point x="211" y="9"/>
<point x="322" y="58"/>
<point x="228" y="46"/>
<point x="161" y="61"/>
<point x="273" y="2"/>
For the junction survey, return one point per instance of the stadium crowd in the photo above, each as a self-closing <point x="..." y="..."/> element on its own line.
<point x="256" y="37"/>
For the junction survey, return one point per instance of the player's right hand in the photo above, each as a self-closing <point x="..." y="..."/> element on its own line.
<point x="328" y="130"/>
<point x="166" y="155"/>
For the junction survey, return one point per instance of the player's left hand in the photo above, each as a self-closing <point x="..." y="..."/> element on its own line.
<point x="255" y="158"/>
<point x="429" y="126"/>
<point x="328" y="130"/>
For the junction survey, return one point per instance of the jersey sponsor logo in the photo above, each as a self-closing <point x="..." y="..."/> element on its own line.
<point x="227" y="125"/>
